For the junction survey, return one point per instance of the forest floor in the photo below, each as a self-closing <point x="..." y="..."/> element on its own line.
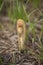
<point x="9" y="42"/>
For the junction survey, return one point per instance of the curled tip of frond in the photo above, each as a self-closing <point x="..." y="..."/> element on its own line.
<point x="20" y="22"/>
